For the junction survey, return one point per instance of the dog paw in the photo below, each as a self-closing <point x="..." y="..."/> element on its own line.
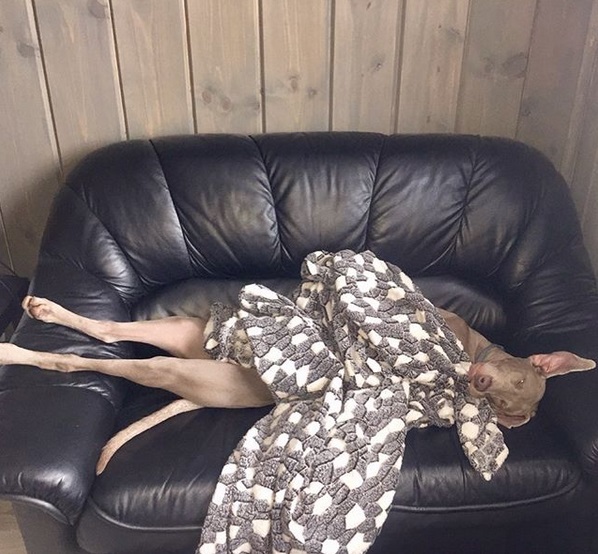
<point x="41" y="309"/>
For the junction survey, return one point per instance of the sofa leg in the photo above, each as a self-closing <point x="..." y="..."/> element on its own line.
<point x="42" y="534"/>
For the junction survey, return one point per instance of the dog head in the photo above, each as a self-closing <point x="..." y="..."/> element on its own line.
<point x="515" y="386"/>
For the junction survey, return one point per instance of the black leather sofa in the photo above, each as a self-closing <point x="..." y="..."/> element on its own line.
<point x="149" y="228"/>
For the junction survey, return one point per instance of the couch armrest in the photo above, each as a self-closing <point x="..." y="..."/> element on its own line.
<point x="52" y="424"/>
<point x="571" y="401"/>
<point x="52" y="428"/>
<point x="50" y="439"/>
<point x="572" y="404"/>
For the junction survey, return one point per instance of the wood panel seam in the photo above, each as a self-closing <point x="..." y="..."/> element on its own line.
<point x="118" y="72"/>
<point x="46" y="93"/>
<point x="331" y="52"/>
<point x="262" y="62"/>
<point x="190" y="66"/>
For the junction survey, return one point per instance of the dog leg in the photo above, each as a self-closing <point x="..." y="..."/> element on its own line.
<point x="200" y="383"/>
<point x="203" y="382"/>
<point x="192" y="375"/>
<point x="180" y="336"/>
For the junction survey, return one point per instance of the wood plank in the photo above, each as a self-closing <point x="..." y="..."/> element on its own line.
<point x="585" y="176"/>
<point x="365" y="80"/>
<point x="554" y="63"/>
<point x="590" y="210"/>
<point x="296" y="37"/>
<point x="28" y="153"/>
<point x="574" y="143"/>
<point x="499" y="36"/>
<point x="80" y="59"/>
<point x="151" y="36"/>
<point x="225" y="53"/>
<point x="579" y="164"/>
<point x="590" y="216"/>
<point x="433" y="46"/>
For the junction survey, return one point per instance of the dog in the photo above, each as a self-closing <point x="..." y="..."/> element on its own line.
<point x="513" y="386"/>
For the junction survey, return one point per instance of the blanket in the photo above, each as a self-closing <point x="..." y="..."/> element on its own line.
<point x="357" y="358"/>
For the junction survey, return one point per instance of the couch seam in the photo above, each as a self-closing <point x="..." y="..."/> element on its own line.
<point x="48" y="252"/>
<point x="174" y="207"/>
<point x="135" y="527"/>
<point x="374" y="182"/>
<point x="487" y="507"/>
<point x="466" y="201"/>
<point x="532" y="215"/>
<point x="572" y="240"/>
<point x="97" y="218"/>
<point x="281" y="247"/>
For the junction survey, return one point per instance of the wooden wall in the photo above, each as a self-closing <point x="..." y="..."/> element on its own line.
<point x="77" y="74"/>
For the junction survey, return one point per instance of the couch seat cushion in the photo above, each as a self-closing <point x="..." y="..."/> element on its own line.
<point x="156" y="491"/>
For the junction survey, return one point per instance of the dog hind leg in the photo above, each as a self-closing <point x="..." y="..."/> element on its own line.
<point x="205" y="382"/>
<point x="193" y="375"/>
<point x="200" y="383"/>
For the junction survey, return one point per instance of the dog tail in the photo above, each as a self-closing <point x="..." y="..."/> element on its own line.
<point x="122" y="437"/>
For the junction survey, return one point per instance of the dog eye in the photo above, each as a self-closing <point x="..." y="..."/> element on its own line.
<point x="519" y="384"/>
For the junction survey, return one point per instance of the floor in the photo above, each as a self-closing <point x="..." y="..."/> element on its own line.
<point x="10" y="538"/>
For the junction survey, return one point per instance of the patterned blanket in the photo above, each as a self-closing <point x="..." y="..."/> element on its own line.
<point x="357" y="359"/>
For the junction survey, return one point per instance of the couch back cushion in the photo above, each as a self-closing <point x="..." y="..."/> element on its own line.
<point x="489" y="212"/>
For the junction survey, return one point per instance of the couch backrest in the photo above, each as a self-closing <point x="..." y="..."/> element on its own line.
<point x="487" y="213"/>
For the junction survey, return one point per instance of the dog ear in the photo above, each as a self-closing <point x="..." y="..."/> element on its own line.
<point x="559" y="363"/>
<point x="511" y="421"/>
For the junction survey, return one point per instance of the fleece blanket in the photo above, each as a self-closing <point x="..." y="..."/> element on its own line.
<point x="357" y="358"/>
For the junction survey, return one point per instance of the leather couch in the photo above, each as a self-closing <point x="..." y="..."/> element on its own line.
<point x="149" y="228"/>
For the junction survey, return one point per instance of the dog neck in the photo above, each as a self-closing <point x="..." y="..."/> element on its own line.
<point x="491" y="352"/>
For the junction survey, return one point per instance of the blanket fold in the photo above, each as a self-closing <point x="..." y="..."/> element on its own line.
<point x="357" y="358"/>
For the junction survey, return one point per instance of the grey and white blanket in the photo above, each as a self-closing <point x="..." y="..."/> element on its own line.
<point x="354" y="361"/>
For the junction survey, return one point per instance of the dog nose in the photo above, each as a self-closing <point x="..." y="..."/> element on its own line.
<point x="482" y="382"/>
